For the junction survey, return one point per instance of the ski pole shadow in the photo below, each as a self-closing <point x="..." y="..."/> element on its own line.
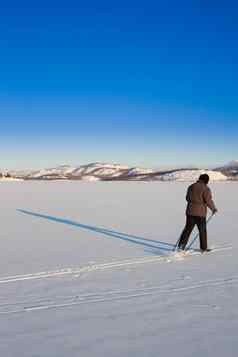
<point x="149" y="243"/>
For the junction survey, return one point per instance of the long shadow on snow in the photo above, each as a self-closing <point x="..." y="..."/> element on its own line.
<point x="119" y="235"/>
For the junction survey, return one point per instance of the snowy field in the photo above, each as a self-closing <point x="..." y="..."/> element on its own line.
<point x="86" y="270"/>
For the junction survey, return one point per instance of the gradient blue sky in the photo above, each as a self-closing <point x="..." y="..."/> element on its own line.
<point x="148" y="83"/>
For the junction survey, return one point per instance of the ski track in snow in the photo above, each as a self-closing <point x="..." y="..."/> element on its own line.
<point x="60" y="302"/>
<point x="105" y="266"/>
<point x="110" y="295"/>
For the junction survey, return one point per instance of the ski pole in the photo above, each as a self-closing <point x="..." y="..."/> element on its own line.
<point x="197" y="235"/>
<point x="176" y="245"/>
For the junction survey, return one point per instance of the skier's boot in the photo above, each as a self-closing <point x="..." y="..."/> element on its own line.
<point x="205" y="250"/>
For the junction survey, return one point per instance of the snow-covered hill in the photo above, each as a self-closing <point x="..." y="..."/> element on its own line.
<point x="111" y="172"/>
<point x="59" y="172"/>
<point x="192" y="175"/>
<point x="91" y="172"/>
<point x="230" y="169"/>
<point x="99" y="170"/>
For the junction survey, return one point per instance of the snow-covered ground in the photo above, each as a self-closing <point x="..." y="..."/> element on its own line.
<point x="86" y="270"/>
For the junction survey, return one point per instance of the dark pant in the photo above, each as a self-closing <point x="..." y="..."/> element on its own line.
<point x="190" y="224"/>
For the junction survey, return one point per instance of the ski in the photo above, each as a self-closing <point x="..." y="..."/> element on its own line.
<point x="190" y="251"/>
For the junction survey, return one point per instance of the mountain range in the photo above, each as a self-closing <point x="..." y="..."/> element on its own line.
<point x="116" y="172"/>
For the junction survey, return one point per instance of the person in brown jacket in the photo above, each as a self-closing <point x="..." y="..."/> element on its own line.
<point x="199" y="197"/>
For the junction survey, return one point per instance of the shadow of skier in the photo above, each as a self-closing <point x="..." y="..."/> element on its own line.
<point x="163" y="246"/>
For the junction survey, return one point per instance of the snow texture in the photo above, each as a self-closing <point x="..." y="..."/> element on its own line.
<point x="87" y="269"/>
<point x="9" y="179"/>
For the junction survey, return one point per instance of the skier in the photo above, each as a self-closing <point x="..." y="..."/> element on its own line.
<point x="199" y="197"/>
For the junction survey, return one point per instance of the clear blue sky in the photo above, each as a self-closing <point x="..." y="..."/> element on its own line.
<point x="148" y="83"/>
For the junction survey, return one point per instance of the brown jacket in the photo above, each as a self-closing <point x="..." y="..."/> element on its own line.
<point x="199" y="197"/>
